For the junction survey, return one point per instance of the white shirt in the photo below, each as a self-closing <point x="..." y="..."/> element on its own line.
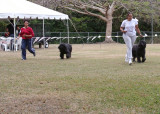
<point x="130" y="27"/>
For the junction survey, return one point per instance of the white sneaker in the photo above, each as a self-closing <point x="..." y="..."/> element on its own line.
<point x="126" y="59"/>
<point x="130" y="62"/>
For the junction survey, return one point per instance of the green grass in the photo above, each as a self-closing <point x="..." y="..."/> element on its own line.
<point x="95" y="80"/>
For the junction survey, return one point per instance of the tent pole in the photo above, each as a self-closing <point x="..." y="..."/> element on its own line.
<point x="14" y="33"/>
<point x="68" y="30"/>
<point x="44" y="35"/>
<point x="43" y="27"/>
<point x="10" y="22"/>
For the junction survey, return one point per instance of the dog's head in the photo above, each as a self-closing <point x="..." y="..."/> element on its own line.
<point x="62" y="47"/>
<point x="142" y="44"/>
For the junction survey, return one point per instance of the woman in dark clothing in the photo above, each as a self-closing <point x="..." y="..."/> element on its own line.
<point x="26" y="33"/>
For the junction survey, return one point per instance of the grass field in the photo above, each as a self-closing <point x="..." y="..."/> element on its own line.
<point x="95" y="80"/>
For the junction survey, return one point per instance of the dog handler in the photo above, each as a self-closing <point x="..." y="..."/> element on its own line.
<point x="26" y="33"/>
<point x="129" y="28"/>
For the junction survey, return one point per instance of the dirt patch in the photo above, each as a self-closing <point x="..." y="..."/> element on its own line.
<point x="36" y="104"/>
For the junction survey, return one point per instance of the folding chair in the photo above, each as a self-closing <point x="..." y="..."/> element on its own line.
<point x="6" y="44"/>
<point x="18" y="44"/>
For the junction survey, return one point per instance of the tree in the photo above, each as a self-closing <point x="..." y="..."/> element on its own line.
<point x="98" y="8"/>
<point x="106" y="10"/>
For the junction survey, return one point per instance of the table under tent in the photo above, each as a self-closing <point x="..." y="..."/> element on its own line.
<point x="23" y="9"/>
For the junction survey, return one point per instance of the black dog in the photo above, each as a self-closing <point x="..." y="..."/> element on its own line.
<point x="65" y="49"/>
<point x="139" y="51"/>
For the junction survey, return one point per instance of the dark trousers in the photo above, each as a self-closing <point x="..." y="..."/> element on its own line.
<point x="11" y="35"/>
<point x="27" y="43"/>
<point x="12" y="42"/>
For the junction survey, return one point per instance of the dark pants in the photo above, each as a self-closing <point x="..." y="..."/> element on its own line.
<point x="12" y="42"/>
<point x="11" y="35"/>
<point x="25" y="43"/>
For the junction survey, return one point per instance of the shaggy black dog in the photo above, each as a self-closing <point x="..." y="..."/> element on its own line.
<point x="65" y="49"/>
<point x="138" y="51"/>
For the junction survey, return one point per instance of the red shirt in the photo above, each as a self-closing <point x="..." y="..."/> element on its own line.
<point x="26" y="31"/>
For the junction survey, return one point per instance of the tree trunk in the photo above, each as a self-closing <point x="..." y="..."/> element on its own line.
<point x="108" y="37"/>
<point x="109" y="16"/>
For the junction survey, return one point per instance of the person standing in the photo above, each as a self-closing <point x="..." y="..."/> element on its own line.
<point x="18" y="30"/>
<point x="27" y="33"/>
<point x="10" y="29"/>
<point x="129" y="28"/>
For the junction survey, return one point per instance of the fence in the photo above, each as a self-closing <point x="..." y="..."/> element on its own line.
<point x="94" y="37"/>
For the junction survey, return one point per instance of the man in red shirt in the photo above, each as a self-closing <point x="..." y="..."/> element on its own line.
<point x="27" y="33"/>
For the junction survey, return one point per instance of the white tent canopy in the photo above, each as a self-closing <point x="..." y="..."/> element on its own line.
<point x="25" y="9"/>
